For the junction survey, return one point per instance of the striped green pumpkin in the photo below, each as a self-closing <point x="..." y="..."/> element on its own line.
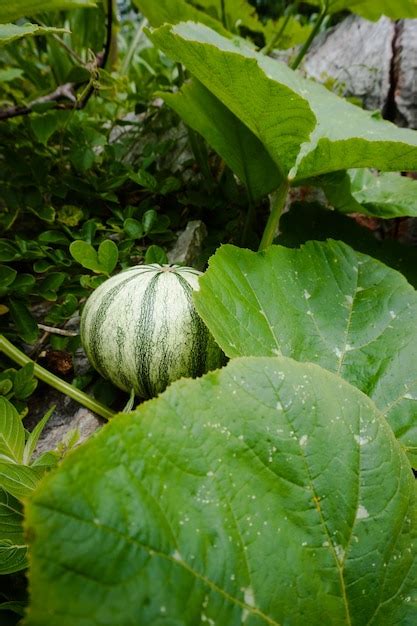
<point x="140" y="329"/>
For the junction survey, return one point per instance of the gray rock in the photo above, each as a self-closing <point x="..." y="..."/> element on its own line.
<point x="67" y="417"/>
<point x="405" y="93"/>
<point x="188" y="246"/>
<point x="357" y="54"/>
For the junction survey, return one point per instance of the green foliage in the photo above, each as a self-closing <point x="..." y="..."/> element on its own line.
<point x="11" y="32"/>
<point x="360" y="191"/>
<point x="15" y="9"/>
<point x="273" y="489"/>
<point x="262" y="477"/>
<point x="306" y="129"/>
<point x="238" y="18"/>
<point x="237" y="145"/>
<point x="102" y="261"/>
<point x="18" y="478"/>
<point x="372" y="9"/>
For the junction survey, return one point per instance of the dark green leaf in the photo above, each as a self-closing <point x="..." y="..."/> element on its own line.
<point x="148" y="220"/>
<point x="155" y="254"/>
<point x="107" y="256"/>
<point x="8" y="251"/>
<point x="236" y="144"/>
<point x="85" y="254"/>
<point x="45" y="125"/>
<point x="25" y="324"/>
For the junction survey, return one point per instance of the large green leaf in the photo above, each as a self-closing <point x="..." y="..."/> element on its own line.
<point x="15" y="9"/>
<point x="12" y="545"/>
<point x="174" y="11"/>
<point x="323" y="303"/>
<point x="11" y="32"/>
<point x="306" y="129"/>
<point x="235" y="143"/>
<point x="372" y="9"/>
<point x="12" y="433"/>
<point x="387" y="195"/>
<point x="268" y="492"/>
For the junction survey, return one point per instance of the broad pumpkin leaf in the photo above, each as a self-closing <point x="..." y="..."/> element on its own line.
<point x="267" y="492"/>
<point x="237" y="145"/>
<point x="11" y="32"/>
<point x="372" y="9"/>
<point x="15" y="9"/>
<point x="323" y="303"/>
<point x="306" y="129"/>
<point x="386" y="195"/>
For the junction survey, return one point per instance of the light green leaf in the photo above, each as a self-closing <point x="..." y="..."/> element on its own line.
<point x="15" y="9"/>
<point x="237" y="145"/>
<point x="385" y="195"/>
<point x="19" y="480"/>
<point x="11" y="32"/>
<point x="12" y="545"/>
<point x="34" y="436"/>
<point x="156" y="254"/>
<point x="44" y="125"/>
<point x="85" y="254"/>
<point x="24" y="321"/>
<point x="13" y="557"/>
<point x="10" y="73"/>
<point x="306" y="129"/>
<point x="12" y="433"/>
<point x="373" y="9"/>
<point x="108" y="254"/>
<point x="258" y="487"/>
<point x="323" y="303"/>
<point x="174" y="11"/>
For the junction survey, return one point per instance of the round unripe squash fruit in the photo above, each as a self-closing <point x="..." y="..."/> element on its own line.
<point x="140" y="329"/>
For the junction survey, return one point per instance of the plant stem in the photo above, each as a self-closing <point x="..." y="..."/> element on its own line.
<point x="223" y="10"/>
<point x="54" y="381"/>
<point x="278" y="35"/>
<point x="277" y="204"/>
<point x="133" y="46"/>
<point x="307" y="44"/>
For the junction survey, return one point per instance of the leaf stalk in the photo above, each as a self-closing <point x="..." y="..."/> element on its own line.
<point x="57" y="383"/>
<point x="278" y="199"/>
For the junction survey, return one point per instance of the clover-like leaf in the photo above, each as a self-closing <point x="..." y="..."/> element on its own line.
<point x="327" y="304"/>
<point x="262" y="493"/>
